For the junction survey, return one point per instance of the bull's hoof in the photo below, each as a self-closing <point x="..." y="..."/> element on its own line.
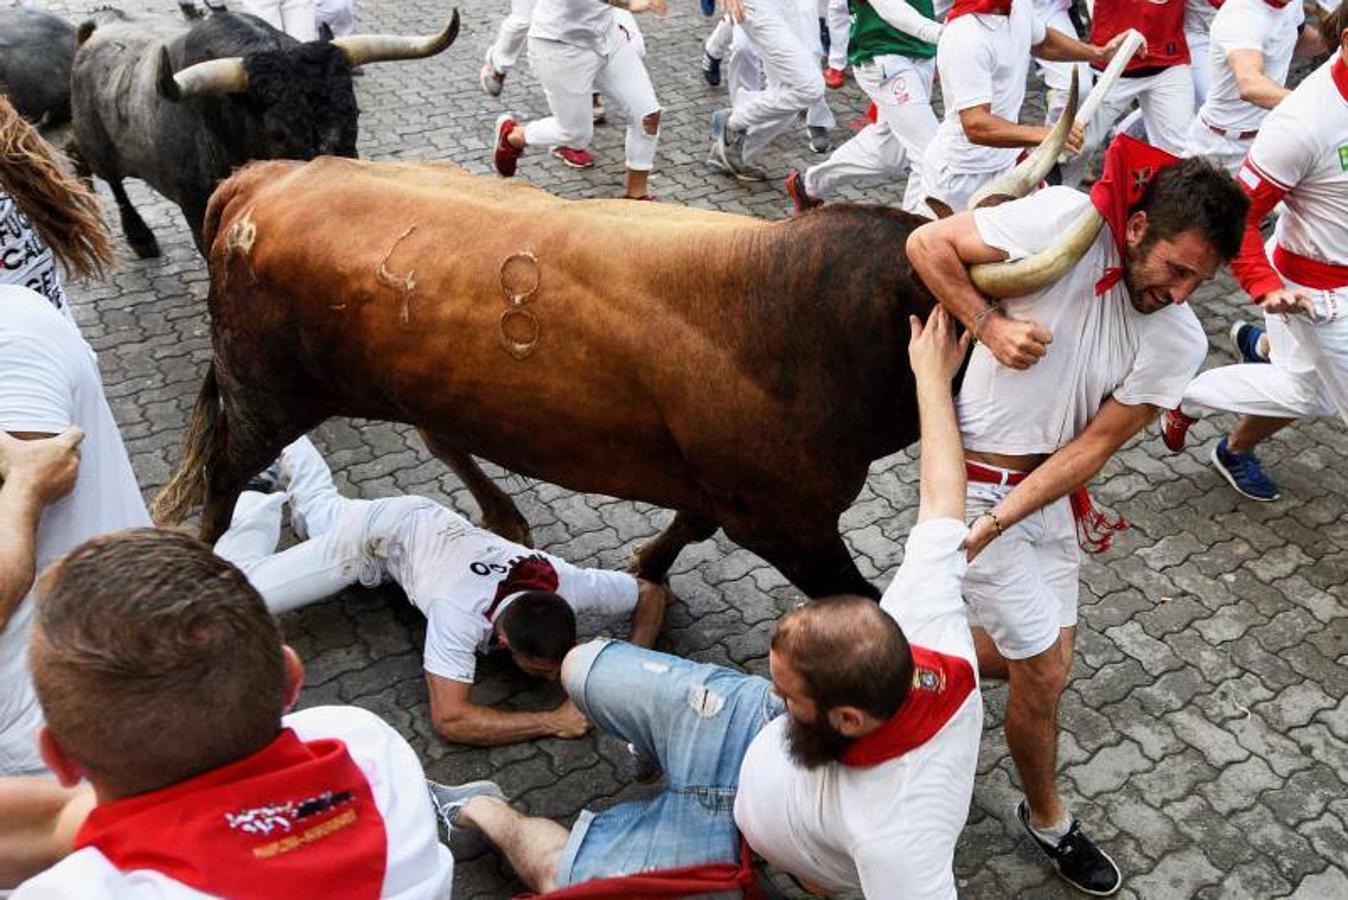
<point x="648" y="562"/>
<point x="144" y="246"/>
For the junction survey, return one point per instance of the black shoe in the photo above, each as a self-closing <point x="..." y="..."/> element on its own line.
<point x="266" y="481"/>
<point x="1080" y="863"/>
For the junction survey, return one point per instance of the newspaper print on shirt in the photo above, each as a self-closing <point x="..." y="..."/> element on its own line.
<point x="24" y="259"/>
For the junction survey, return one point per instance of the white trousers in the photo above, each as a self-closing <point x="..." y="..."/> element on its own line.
<point x="1202" y="67"/>
<point x="792" y="81"/>
<point x="339" y="15"/>
<point x="1167" y="102"/>
<point x="901" y="90"/>
<point x="294" y="17"/>
<point x="839" y="21"/>
<point x="746" y="72"/>
<point x="954" y="188"/>
<point x="1058" y="81"/>
<point x="1226" y="151"/>
<point x="1288" y="387"/>
<point x="510" y="37"/>
<point x="722" y="36"/>
<point x="570" y="75"/>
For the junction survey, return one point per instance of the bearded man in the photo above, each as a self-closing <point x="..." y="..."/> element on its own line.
<point x="851" y="769"/>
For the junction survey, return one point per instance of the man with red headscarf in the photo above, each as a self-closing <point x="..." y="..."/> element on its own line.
<point x="983" y="59"/>
<point x="1299" y="159"/>
<point x="1065" y="372"/>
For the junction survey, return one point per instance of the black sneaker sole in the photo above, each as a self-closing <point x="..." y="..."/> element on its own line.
<point x="1025" y="823"/>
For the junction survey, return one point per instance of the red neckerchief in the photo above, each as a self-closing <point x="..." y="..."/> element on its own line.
<point x="684" y="881"/>
<point x="984" y="7"/>
<point x="1339" y="72"/>
<point x="529" y="573"/>
<point x="941" y="684"/>
<point x="294" y="819"/>
<point x="1277" y="4"/>
<point x="1130" y="165"/>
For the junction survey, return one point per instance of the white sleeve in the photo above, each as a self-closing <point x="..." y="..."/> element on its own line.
<point x="601" y="591"/>
<point x="1283" y="152"/>
<point x="915" y="864"/>
<point x="966" y="61"/>
<point x="37" y="391"/>
<point x="451" y="641"/>
<point x="1171" y="352"/>
<point x="1022" y="228"/>
<point x="908" y="20"/>
<point x="1238" y="28"/>
<point x="926" y="596"/>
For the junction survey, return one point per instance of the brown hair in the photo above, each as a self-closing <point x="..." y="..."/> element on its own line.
<point x="155" y="660"/>
<point x="65" y="213"/>
<point x="849" y="652"/>
<point x="1195" y="194"/>
<point x="1332" y="26"/>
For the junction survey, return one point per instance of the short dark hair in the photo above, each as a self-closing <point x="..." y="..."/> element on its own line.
<point x="155" y="660"/>
<point x="1332" y="26"/>
<point x="849" y="652"/>
<point x="539" y="624"/>
<point x="1196" y="194"/>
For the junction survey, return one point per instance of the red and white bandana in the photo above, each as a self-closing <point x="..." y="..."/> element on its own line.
<point x="941" y="683"/>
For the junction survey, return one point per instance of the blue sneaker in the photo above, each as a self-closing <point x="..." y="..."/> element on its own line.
<point x="711" y="69"/>
<point x="1245" y="341"/>
<point x="1245" y="473"/>
<point x="708" y="7"/>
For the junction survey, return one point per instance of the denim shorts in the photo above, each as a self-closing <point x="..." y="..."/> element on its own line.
<point x="696" y="721"/>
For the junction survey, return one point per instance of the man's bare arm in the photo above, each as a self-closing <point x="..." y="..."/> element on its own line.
<point x="1071" y="466"/>
<point x="935" y="355"/>
<point x="1252" y="82"/>
<point x="649" y="614"/>
<point x="39" y="825"/>
<point x="941" y="252"/>
<point x="457" y="718"/>
<point x="37" y="469"/>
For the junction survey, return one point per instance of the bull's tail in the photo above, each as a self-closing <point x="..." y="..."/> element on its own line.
<point x="187" y="488"/>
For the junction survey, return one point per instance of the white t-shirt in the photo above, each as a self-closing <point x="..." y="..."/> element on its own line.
<point x="1248" y="25"/>
<point x="1303" y="148"/>
<point x="1198" y="16"/>
<point x="1101" y="346"/>
<point x="888" y="830"/>
<point x="419" y="867"/>
<point x="983" y="59"/>
<point x="25" y="259"/>
<point x="48" y="381"/>
<point x="451" y="570"/>
<point x="584" y="23"/>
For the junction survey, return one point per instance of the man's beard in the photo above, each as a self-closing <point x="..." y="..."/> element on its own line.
<point x="814" y="744"/>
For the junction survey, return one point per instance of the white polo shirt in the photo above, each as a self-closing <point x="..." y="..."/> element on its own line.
<point x="1302" y="148"/>
<point x="1248" y="25"/>
<point x="888" y="830"/>
<point x="418" y="866"/>
<point x="983" y="59"/>
<point x="1102" y="346"/>
<point x="451" y="570"/>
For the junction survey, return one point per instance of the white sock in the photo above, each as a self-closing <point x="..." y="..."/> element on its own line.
<point x="1055" y="832"/>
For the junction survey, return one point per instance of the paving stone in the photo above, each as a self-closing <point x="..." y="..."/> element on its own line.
<point x="1109" y="769"/>
<point x="1216" y="744"/>
<point x="1239" y="785"/>
<point x="1177" y="875"/>
<point x="1297" y="706"/>
<point x="1331" y="884"/>
<point x="1250" y="881"/>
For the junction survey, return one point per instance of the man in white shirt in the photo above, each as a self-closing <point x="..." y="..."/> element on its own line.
<point x="1061" y="379"/>
<point x="983" y="59"/>
<point x="1252" y="45"/>
<point x="477" y="590"/>
<point x="165" y="686"/>
<point x="851" y="769"/>
<point x="49" y="382"/>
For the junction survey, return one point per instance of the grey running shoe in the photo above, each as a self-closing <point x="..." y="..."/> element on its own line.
<point x="727" y="149"/>
<point x="449" y="800"/>
<point x="819" y="142"/>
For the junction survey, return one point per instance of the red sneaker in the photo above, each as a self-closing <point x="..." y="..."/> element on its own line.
<point x="834" y="78"/>
<point x="575" y="157"/>
<point x="795" y="187"/>
<point x="505" y="157"/>
<point x="1174" y="427"/>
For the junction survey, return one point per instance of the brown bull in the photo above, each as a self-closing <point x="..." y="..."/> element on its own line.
<point x="741" y="372"/>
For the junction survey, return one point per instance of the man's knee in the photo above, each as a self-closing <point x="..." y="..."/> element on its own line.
<point x="806" y="88"/>
<point x="576" y="666"/>
<point x="1040" y="679"/>
<point x="650" y="122"/>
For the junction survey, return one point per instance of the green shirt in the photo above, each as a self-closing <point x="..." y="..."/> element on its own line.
<point x="872" y="36"/>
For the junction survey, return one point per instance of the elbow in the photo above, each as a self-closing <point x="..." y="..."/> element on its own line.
<point x="452" y="727"/>
<point x="918" y="248"/>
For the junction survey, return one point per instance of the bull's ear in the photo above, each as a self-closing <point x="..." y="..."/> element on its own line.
<point x="164" y="82"/>
<point x="85" y="31"/>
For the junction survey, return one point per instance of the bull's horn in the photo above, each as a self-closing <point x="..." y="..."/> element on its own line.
<point x="212" y="78"/>
<point x="1026" y="176"/>
<point x="372" y="48"/>
<point x="1025" y="276"/>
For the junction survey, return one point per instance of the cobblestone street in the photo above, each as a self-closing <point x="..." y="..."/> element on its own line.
<point x="1205" y="728"/>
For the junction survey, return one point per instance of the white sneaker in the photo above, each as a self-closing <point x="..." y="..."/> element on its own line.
<point x="491" y="80"/>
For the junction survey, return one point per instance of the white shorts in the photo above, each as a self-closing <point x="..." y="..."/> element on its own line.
<point x="1228" y="152"/>
<point x="1022" y="589"/>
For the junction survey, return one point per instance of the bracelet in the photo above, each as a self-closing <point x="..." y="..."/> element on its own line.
<point x="979" y="319"/>
<point x="996" y="522"/>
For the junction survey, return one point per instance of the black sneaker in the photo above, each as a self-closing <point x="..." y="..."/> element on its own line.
<point x="1080" y="863"/>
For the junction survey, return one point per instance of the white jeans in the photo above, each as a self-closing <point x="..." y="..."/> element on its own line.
<point x="510" y="37"/>
<point x="294" y="17"/>
<point x="746" y="73"/>
<point x="839" y="21"/>
<point x="1058" y="81"/>
<point x="792" y="80"/>
<point x="339" y="15"/>
<point x="1202" y="67"/>
<point x="901" y="89"/>
<point x="722" y="36"/>
<point x="1288" y="387"/>
<point x="570" y="75"/>
<point x="1167" y="102"/>
<point x="1228" y="152"/>
<point x="951" y="187"/>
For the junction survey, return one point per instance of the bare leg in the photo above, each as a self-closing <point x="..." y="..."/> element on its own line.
<point x="1032" y="726"/>
<point x="532" y="846"/>
<point x="637" y="187"/>
<point x="1252" y="430"/>
<point x="654" y="560"/>
<point x="499" y="513"/>
<point x="991" y="663"/>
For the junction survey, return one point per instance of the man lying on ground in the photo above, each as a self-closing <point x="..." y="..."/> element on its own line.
<point x="864" y="782"/>
<point x="477" y="590"/>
